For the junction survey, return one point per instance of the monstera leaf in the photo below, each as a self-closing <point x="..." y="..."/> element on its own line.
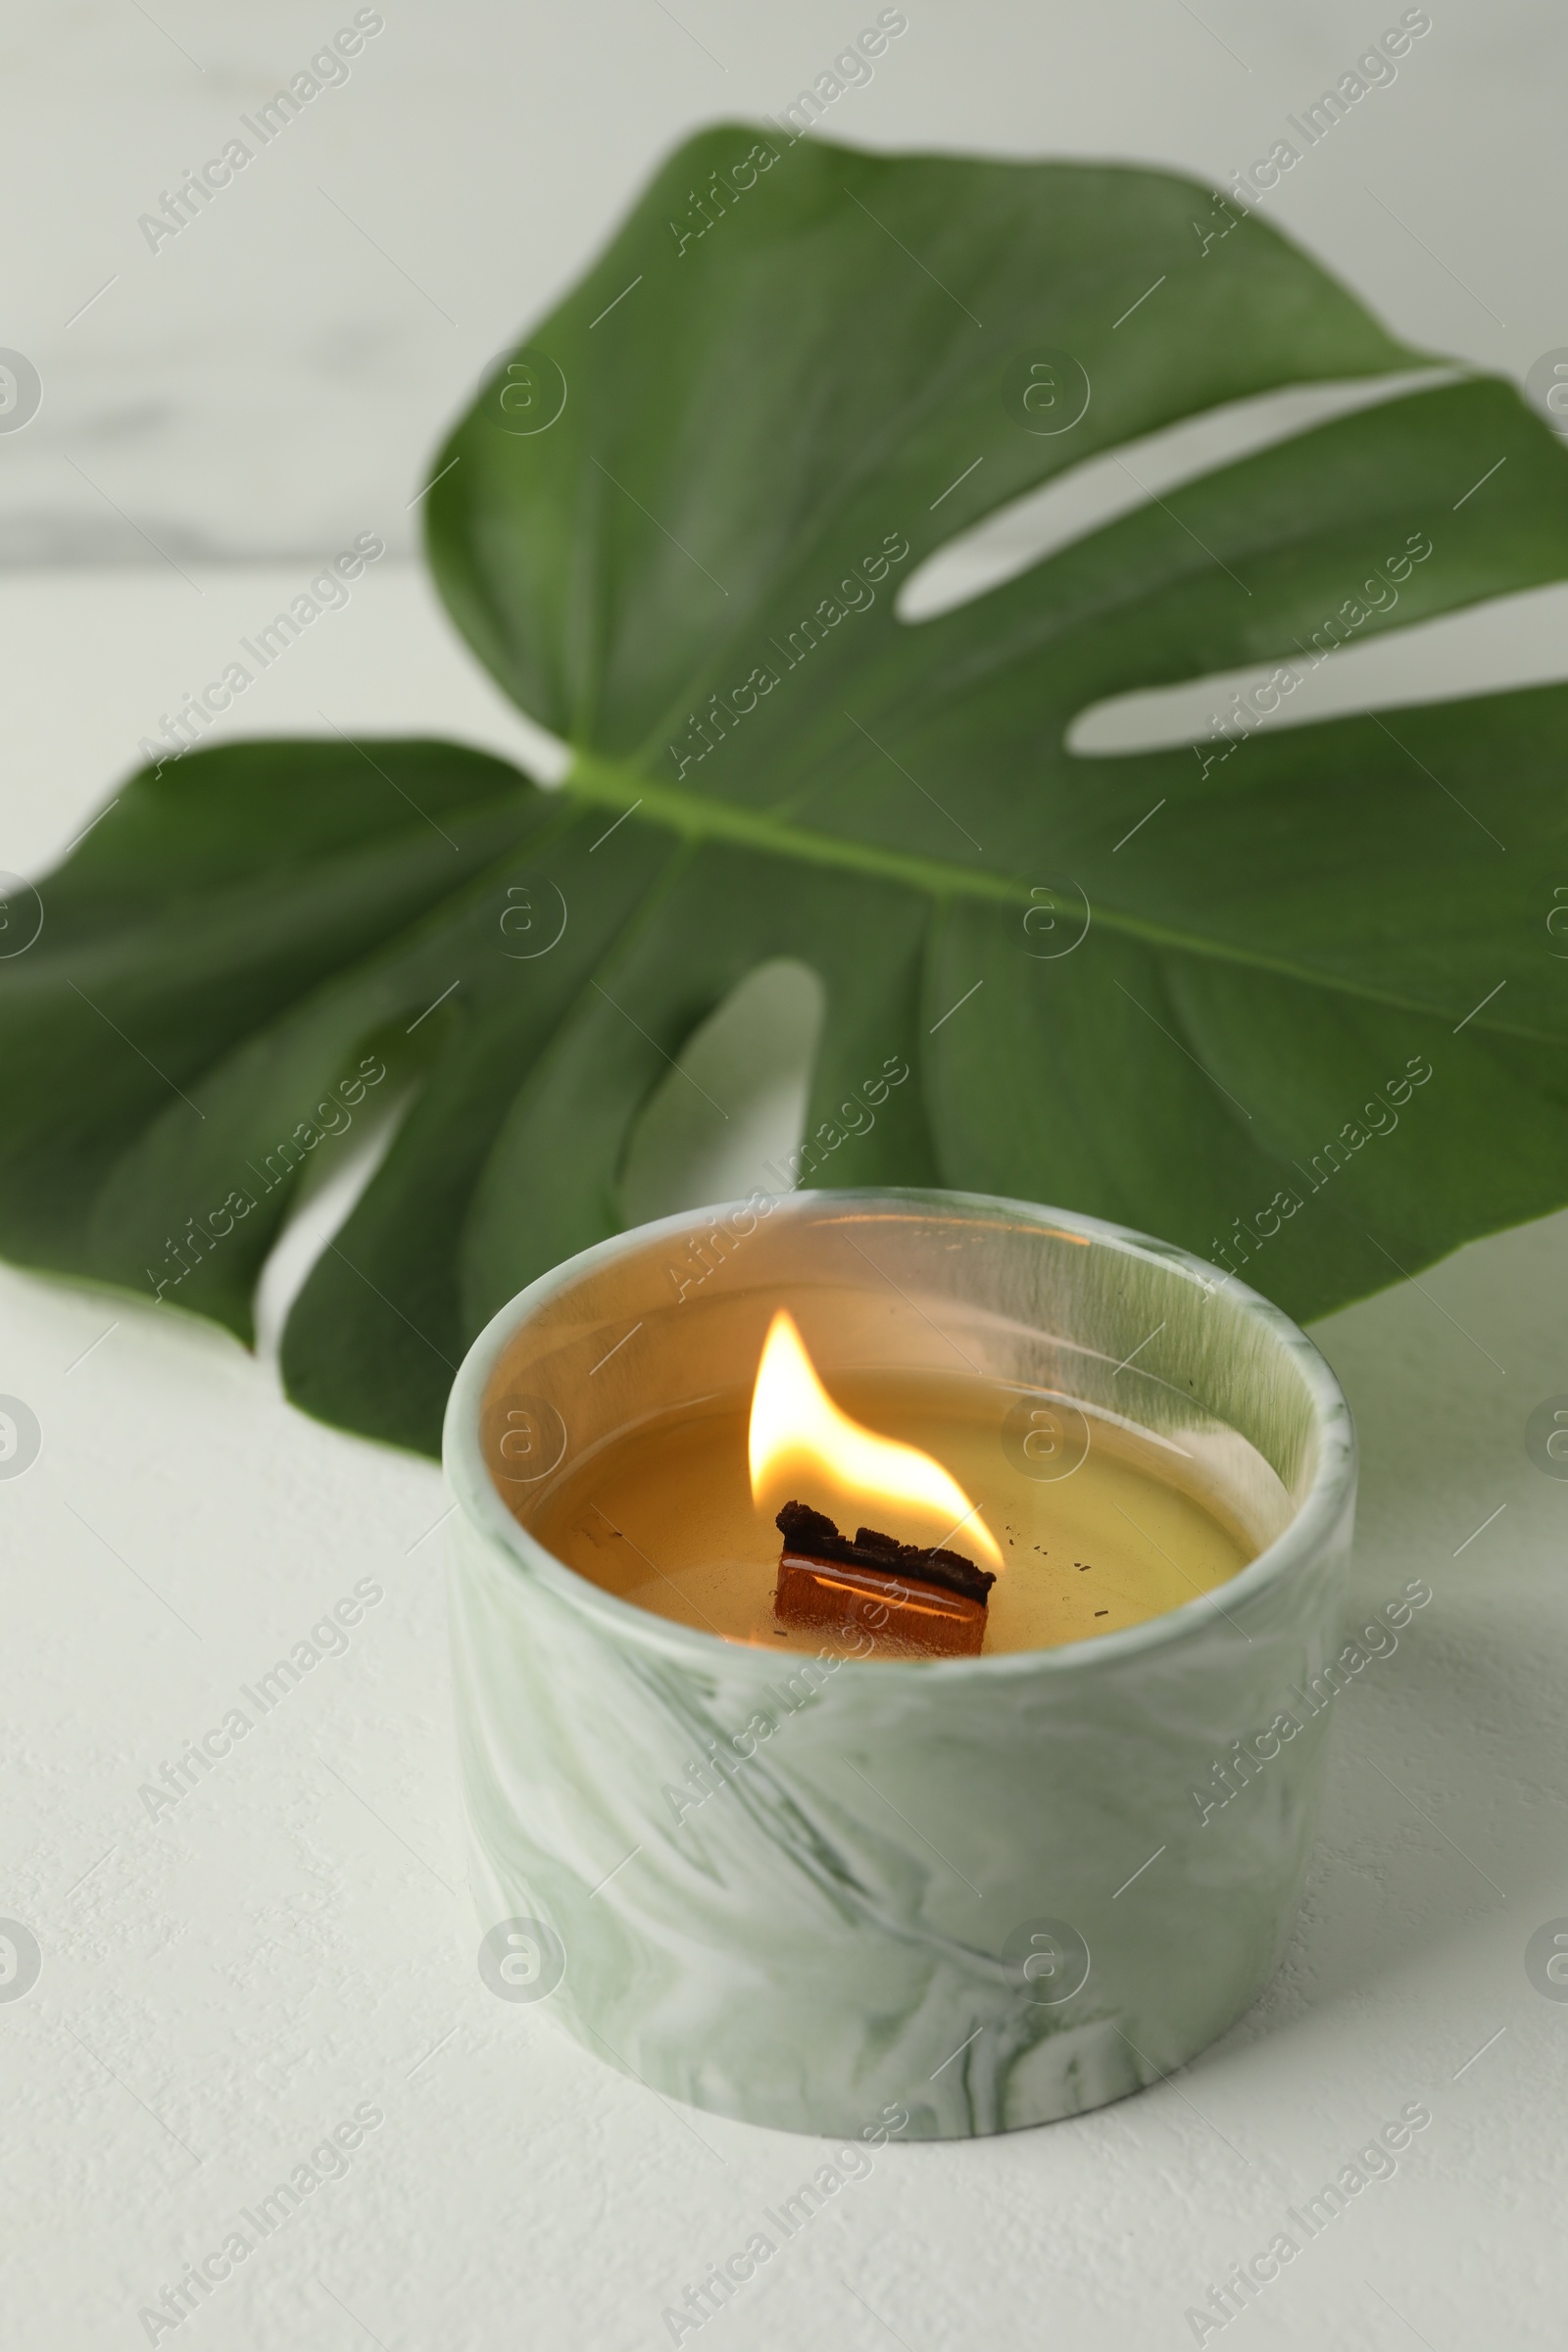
<point x="1305" y="1020"/>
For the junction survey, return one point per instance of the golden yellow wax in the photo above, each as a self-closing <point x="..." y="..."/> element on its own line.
<point x="663" y="1518"/>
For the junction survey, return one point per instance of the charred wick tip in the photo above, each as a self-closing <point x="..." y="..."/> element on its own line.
<point x="813" y="1533"/>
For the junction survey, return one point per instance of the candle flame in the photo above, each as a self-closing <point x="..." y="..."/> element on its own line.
<point x="801" y="1447"/>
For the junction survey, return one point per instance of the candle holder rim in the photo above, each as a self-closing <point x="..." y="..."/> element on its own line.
<point x="478" y="1498"/>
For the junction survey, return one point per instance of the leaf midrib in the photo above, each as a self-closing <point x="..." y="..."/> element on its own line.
<point x="697" y="819"/>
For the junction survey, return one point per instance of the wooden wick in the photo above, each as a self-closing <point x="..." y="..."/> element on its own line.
<point x="925" y="1599"/>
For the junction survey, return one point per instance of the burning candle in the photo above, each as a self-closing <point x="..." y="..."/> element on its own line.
<point x="1069" y="1522"/>
<point x="879" y="1664"/>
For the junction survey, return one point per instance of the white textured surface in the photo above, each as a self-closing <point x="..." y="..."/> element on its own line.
<point x="225" y="1985"/>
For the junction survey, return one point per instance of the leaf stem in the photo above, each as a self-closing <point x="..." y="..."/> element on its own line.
<point x="699" y="816"/>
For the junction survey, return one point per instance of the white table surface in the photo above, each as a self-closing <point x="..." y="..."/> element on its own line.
<point x="225" y="1985"/>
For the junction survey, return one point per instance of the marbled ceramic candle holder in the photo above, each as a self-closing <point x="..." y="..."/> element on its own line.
<point x="991" y="1890"/>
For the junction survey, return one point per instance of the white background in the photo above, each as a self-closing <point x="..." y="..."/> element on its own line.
<point x="223" y="1985"/>
<point x="271" y="382"/>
